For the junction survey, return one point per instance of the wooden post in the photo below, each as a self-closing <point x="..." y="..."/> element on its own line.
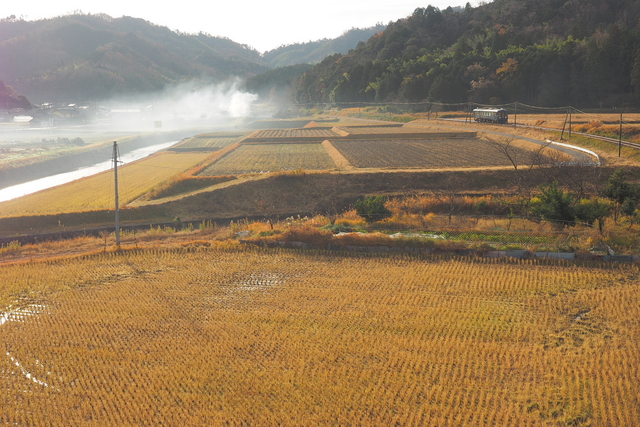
<point x="515" y="115"/>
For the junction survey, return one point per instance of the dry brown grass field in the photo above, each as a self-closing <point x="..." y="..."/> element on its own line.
<point x="416" y="153"/>
<point x="96" y="192"/>
<point x="367" y="130"/>
<point x="226" y="336"/>
<point x="270" y="158"/>
<point x="596" y="123"/>
<point x="293" y="133"/>
<point x="577" y="119"/>
<point x="210" y="140"/>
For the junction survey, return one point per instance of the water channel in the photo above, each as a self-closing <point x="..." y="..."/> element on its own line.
<point x="62" y="178"/>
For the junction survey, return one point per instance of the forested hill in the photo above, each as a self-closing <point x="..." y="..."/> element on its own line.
<point x="543" y="52"/>
<point x="315" y="51"/>
<point x="92" y="57"/>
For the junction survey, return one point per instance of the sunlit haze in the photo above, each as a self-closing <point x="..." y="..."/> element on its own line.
<point x="263" y="25"/>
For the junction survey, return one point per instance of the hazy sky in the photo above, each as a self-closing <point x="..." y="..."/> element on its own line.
<point x="262" y="24"/>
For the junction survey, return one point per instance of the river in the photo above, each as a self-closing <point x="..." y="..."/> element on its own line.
<point x="62" y="178"/>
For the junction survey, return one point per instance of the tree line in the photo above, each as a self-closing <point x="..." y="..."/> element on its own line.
<point x="547" y="52"/>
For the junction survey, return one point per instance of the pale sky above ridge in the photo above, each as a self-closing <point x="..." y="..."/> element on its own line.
<point x="263" y="25"/>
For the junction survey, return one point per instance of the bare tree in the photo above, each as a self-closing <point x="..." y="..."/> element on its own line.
<point x="579" y="179"/>
<point x="332" y="209"/>
<point x="526" y="164"/>
<point x="448" y="193"/>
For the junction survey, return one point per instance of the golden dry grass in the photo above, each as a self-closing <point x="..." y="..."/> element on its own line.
<point x="197" y="336"/>
<point x="97" y="191"/>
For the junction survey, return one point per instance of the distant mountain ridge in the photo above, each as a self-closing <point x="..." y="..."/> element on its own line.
<point x="92" y="57"/>
<point x="315" y="51"/>
<point x="84" y="57"/>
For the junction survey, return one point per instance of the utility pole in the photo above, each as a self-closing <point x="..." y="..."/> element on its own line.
<point x="620" y="137"/>
<point x="564" y="125"/>
<point x="115" y="175"/>
<point x="570" y="124"/>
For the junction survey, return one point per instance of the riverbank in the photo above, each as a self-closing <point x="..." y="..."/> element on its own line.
<point x="83" y="157"/>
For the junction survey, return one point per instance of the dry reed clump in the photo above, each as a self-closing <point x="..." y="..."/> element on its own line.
<point x="11" y="248"/>
<point x="307" y="234"/>
<point x="363" y="239"/>
<point x="423" y="204"/>
<point x="350" y="219"/>
<point x="401" y="221"/>
<point x="258" y="227"/>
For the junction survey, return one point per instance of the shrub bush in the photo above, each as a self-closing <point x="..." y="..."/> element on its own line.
<point x="372" y="208"/>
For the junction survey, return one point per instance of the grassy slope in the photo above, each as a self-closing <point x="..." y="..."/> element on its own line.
<point x="277" y="195"/>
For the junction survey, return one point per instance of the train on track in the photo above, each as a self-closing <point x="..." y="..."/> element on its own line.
<point x="491" y="115"/>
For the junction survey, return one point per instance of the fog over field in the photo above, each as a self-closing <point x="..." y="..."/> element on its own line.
<point x="192" y="100"/>
<point x="156" y="118"/>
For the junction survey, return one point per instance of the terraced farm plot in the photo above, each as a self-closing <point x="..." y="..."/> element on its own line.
<point x="97" y="191"/>
<point x="209" y="141"/>
<point x="415" y="153"/>
<point x="294" y="133"/>
<point x="270" y="158"/>
<point x="246" y="337"/>
<point x="369" y="130"/>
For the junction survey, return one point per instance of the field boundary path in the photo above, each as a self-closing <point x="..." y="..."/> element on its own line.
<point x="337" y="157"/>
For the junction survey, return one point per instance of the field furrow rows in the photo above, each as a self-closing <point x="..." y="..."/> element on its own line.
<point x="201" y="336"/>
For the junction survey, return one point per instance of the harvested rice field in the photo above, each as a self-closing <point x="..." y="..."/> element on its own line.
<point x="209" y="141"/>
<point x="294" y="133"/>
<point x="416" y="153"/>
<point x="271" y="158"/>
<point x="205" y="337"/>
